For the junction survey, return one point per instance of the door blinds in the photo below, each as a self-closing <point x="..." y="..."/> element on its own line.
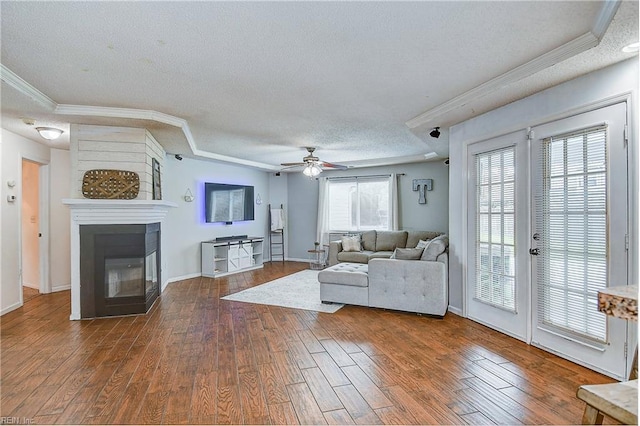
<point x="495" y="228"/>
<point x="571" y="220"/>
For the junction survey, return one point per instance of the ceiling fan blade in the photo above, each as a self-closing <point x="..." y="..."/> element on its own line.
<point x="291" y="167"/>
<point x="333" y="166"/>
<point x="292" y="164"/>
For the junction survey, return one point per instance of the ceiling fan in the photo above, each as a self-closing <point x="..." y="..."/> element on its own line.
<point x="313" y="165"/>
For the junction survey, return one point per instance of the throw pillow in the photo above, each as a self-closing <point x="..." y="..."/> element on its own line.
<point x="407" y="253"/>
<point x="351" y="243"/>
<point x="435" y="248"/>
<point x="422" y="244"/>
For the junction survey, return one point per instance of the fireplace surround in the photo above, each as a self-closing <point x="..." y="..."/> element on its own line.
<point x="119" y="269"/>
<point x="113" y="212"/>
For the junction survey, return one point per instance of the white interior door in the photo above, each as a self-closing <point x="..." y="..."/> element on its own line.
<point x="498" y="224"/>
<point x="579" y="207"/>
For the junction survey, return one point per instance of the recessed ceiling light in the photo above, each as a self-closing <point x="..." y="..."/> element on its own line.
<point x="633" y="47"/>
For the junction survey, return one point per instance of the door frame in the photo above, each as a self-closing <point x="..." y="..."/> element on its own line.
<point x="633" y="204"/>
<point x="549" y="335"/>
<point x="519" y="140"/>
<point x="44" y="189"/>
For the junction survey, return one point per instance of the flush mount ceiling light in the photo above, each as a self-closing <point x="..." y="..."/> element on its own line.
<point x="49" y="133"/>
<point x="312" y="170"/>
<point x="633" y="47"/>
<point x="435" y="132"/>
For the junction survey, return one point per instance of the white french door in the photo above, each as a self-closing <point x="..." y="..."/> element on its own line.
<point x="579" y="226"/>
<point x="497" y="244"/>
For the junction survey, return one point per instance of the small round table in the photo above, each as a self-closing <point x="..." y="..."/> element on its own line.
<point x="316" y="259"/>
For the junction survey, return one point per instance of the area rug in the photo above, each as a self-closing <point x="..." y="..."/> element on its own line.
<point x="300" y="291"/>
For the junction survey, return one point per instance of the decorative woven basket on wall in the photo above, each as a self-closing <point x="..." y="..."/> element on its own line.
<point x="113" y="184"/>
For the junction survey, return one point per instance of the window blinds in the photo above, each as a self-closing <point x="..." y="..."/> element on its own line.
<point x="495" y="228"/>
<point x="359" y="204"/>
<point x="571" y="218"/>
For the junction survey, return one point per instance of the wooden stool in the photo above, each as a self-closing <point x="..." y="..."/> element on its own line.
<point x="617" y="400"/>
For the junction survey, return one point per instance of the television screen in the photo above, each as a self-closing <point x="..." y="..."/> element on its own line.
<point x="228" y="203"/>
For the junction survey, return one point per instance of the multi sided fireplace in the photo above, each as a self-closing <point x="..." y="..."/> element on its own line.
<point x="119" y="269"/>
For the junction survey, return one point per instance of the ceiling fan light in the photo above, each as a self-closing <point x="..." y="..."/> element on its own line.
<point x="307" y="171"/>
<point x="312" y="170"/>
<point x="49" y="133"/>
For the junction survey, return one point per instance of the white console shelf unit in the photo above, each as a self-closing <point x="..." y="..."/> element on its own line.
<point x="220" y="258"/>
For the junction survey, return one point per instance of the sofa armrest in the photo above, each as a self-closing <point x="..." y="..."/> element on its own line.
<point x="335" y="247"/>
<point x="409" y="285"/>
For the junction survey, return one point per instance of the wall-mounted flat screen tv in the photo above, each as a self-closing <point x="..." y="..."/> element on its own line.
<point x="228" y="203"/>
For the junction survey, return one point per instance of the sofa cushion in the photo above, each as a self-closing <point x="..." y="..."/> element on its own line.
<point x="346" y="274"/>
<point x="389" y="240"/>
<point x="414" y="237"/>
<point x="354" y="256"/>
<point x="435" y="247"/>
<point x="351" y="243"/>
<point x="380" y="255"/>
<point x="407" y="253"/>
<point x="369" y="240"/>
<point x="422" y="244"/>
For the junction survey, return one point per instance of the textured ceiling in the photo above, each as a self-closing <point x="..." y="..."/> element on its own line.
<point x="258" y="81"/>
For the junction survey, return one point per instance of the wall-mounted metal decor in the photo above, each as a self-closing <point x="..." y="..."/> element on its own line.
<point x="422" y="186"/>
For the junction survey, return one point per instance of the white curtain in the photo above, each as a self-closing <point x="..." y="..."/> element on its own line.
<point x="322" y="234"/>
<point x="393" y="201"/>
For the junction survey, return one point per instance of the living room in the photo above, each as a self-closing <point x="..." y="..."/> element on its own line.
<point x="512" y="112"/>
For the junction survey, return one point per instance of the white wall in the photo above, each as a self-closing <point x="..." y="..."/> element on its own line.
<point x="14" y="149"/>
<point x="433" y="216"/>
<point x="185" y="225"/>
<point x="563" y="100"/>
<point x="59" y="220"/>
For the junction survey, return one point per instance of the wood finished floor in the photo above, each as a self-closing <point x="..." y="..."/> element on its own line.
<point x="29" y="293"/>
<point x="198" y="359"/>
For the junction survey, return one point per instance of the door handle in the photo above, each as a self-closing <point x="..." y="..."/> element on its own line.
<point x="534" y="251"/>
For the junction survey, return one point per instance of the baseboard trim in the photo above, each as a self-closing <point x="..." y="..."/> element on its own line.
<point x="454" y="310"/>
<point x="295" y="259"/>
<point x="10" y="308"/>
<point x="61" y="288"/>
<point x="180" y="278"/>
<point x="35" y="287"/>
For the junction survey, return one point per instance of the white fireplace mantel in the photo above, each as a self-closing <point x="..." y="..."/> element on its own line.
<point x="86" y="211"/>
<point x="105" y="212"/>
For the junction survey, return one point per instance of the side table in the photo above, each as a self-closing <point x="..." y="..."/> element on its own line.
<point x="316" y="259"/>
<point x="617" y="400"/>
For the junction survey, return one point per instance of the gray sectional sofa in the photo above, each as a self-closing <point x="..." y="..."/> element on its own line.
<point x="371" y="278"/>
<point x="377" y="245"/>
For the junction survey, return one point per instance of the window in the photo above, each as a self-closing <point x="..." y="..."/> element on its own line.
<point x="573" y="218"/>
<point x="495" y="228"/>
<point x="358" y="204"/>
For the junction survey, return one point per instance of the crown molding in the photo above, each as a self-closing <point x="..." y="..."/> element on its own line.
<point x="559" y="54"/>
<point x="608" y="11"/>
<point x="566" y="51"/>
<point x="141" y="114"/>
<point x="15" y="81"/>
<point x="28" y="90"/>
